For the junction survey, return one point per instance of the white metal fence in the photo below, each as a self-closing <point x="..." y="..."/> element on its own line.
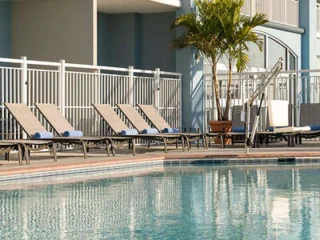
<point x="294" y="86"/>
<point x="74" y="87"/>
<point x="284" y="11"/>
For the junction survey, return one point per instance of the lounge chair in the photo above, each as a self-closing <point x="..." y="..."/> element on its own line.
<point x="310" y="116"/>
<point x="160" y="123"/>
<point x="31" y="125"/>
<point x="61" y="125"/>
<point x="279" y="113"/>
<point x="118" y="126"/>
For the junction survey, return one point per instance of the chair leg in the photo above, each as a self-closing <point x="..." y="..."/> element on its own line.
<point x="19" y="154"/>
<point x="109" y="141"/>
<point x="107" y="147"/>
<point x="54" y="152"/>
<point x="7" y="156"/>
<point x="26" y="154"/>
<point x="84" y="145"/>
<point x="133" y="147"/>
<point x="182" y="143"/>
<point x="165" y="145"/>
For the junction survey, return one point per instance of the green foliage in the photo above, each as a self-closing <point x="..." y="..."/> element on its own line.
<point x="218" y="28"/>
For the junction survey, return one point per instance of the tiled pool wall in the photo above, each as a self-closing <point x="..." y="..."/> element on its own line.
<point x="249" y="161"/>
<point x="149" y="165"/>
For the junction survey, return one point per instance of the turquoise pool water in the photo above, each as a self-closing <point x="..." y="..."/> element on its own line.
<point x="203" y="202"/>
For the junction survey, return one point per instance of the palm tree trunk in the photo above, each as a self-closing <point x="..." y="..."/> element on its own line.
<point x="226" y="111"/>
<point x="216" y="90"/>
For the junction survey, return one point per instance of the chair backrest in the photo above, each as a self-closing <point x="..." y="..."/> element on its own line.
<point x="27" y="120"/>
<point x="236" y="116"/>
<point x="52" y="114"/>
<point x="309" y="114"/>
<point x="110" y="117"/>
<point x="134" y="117"/>
<point x="155" y="118"/>
<point x="278" y="113"/>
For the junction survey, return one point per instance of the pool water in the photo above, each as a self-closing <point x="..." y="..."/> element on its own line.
<point x="201" y="202"/>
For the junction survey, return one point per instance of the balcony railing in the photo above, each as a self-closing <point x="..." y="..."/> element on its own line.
<point x="284" y="11"/>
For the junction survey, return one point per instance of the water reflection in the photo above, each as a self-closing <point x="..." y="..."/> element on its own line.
<point x="184" y="203"/>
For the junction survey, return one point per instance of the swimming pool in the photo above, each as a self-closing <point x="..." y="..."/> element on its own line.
<point x="190" y="202"/>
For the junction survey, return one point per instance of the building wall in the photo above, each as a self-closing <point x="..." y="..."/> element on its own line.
<point x="102" y="33"/>
<point x="121" y="40"/>
<point x="156" y="40"/>
<point x="139" y="40"/>
<point x="5" y="29"/>
<point x="54" y="30"/>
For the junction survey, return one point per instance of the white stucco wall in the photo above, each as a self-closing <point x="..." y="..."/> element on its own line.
<point x="289" y="39"/>
<point x="54" y="30"/>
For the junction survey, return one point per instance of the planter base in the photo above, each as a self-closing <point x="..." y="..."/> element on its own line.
<point x="221" y="127"/>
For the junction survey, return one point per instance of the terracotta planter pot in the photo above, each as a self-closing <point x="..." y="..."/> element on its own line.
<point x="221" y="127"/>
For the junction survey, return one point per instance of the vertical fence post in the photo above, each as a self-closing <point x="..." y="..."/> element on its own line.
<point x="23" y="85"/>
<point x="62" y="69"/>
<point x="131" y="85"/>
<point x="24" y="79"/>
<point x="157" y="89"/>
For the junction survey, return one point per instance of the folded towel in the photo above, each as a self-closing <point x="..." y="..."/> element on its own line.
<point x="171" y="130"/>
<point x="315" y="127"/>
<point x="238" y="129"/>
<point x="129" y="132"/>
<point x="150" y="131"/>
<point x="43" y="135"/>
<point x="73" y="133"/>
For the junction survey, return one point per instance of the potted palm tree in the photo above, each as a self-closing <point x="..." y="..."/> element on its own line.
<point x="218" y="28"/>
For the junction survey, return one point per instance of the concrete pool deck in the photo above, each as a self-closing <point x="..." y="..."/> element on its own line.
<point x="71" y="159"/>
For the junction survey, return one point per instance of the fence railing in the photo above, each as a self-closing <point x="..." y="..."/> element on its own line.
<point x="297" y="87"/>
<point x="74" y="87"/>
<point x="284" y="11"/>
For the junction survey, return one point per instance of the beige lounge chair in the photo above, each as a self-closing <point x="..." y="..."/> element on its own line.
<point x="31" y="125"/>
<point x="161" y="124"/>
<point x="117" y="125"/>
<point x="60" y="125"/>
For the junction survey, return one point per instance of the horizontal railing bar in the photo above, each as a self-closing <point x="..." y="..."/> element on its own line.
<point x="259" y="73"/>
<point x="86" y="66"/>
<point x="11" y="60"/>
<point x="43" y="63"/>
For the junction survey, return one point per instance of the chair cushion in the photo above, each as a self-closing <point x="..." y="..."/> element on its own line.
<point x="150" y="131"/>
<point x="129" y="132"/>
<point x="171" y="130"/>
<point x="73" y="133"/>
<point x="43" y="135"/>
<point x="314" y="127"/>
<point x="237" y="129"/>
